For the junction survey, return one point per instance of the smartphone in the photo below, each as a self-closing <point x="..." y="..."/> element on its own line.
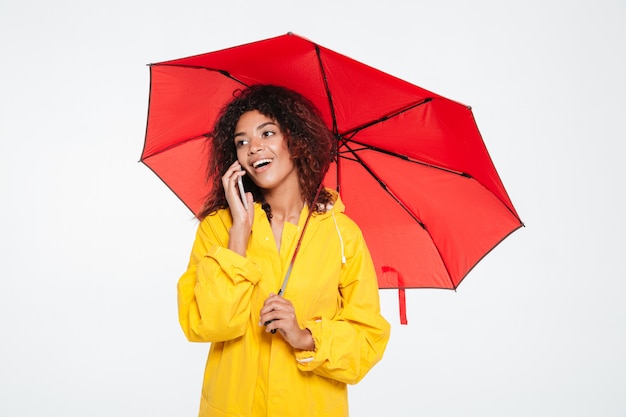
<point x="242" y="192"/>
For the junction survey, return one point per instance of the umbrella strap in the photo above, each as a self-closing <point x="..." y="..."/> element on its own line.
<point x="401" y="299"/>
<point x="402" y="303"/>
<point x="401" y="291"/>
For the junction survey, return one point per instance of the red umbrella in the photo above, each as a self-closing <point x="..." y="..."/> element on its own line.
<point x="411" y="165"/>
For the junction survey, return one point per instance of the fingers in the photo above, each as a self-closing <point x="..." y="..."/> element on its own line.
<point x="232" y="191"/>
<point x="275" y="303"/>
<point x="229" y="179"/>
<point x="277" y="313"/>
<point x="239" y="233"/>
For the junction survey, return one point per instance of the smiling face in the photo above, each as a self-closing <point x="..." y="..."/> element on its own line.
<point x="262" y="151"/>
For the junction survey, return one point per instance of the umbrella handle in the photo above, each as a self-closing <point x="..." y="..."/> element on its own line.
<point x="273" y="331"/>
<point x="295" y="252"/>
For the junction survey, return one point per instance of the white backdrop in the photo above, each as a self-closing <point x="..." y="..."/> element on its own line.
<point x="92" y="243"/>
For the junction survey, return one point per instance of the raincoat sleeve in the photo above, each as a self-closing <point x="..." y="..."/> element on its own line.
<point x="214" y="293"/>
<point x="348" y="345"/>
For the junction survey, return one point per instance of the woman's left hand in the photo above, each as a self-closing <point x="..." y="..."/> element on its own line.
<point x="281" y="315"/>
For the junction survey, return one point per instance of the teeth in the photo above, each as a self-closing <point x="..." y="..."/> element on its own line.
<point x="261" y="162"/>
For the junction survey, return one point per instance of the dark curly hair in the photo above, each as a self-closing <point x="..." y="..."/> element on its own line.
<point x="309" y="141"/>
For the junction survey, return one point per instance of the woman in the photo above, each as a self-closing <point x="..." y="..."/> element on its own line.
<point x="290" y="354"/>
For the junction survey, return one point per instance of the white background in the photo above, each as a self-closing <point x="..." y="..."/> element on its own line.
<point x="92" y="243"/>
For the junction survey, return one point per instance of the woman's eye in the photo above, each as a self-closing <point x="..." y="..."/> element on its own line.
<point x="267" y="133"/>
<point x="240" y="143"/>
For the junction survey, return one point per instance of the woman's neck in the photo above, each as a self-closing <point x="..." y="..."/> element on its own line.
<point x="286" y="205"/>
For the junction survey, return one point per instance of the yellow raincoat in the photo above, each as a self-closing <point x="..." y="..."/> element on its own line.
<point x="333" y="287"/>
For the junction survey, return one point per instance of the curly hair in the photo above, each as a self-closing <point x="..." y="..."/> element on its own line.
<point x="309" y="141"/>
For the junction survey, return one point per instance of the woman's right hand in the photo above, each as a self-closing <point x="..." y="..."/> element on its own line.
<point x="242" y="218"/>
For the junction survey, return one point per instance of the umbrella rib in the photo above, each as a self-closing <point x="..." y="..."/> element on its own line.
<point x="228" y="75"/>
<point x="204" y="135"/>
<point x="350" y="133"/>
<point x="397" y="155"/>
<point x="200" y="67"/>
<point x="521" y="224"/>
<point x="318" y="52"/>
<point x="175" y="145"/>
<point x="397" y="200"/>
<point x="385" y="187"/>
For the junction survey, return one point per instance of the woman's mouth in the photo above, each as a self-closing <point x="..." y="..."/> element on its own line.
<point x="261" y="163"/>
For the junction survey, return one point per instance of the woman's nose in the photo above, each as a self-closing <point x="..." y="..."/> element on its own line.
<point x="255" y="145"/>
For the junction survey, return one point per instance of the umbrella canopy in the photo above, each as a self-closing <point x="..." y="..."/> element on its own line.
<point x="411" y="165"/>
